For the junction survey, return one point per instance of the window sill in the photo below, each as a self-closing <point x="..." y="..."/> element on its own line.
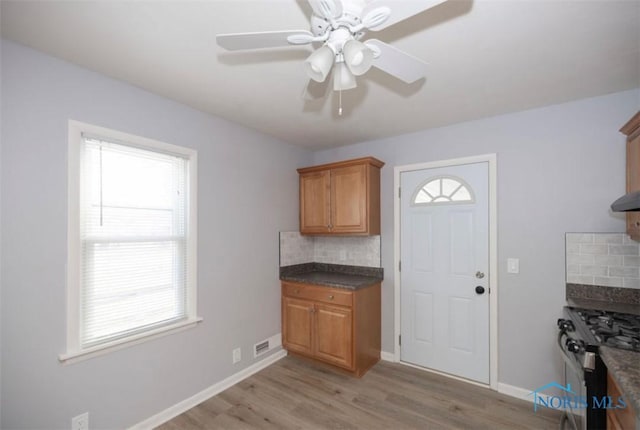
<point x="75" y="356"/>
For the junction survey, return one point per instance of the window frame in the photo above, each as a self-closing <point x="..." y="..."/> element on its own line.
<point x="462" y="182"/>
<point x="74" y="351"/>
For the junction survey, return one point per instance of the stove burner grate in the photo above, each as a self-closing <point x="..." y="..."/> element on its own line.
<point x="613" y="329"/>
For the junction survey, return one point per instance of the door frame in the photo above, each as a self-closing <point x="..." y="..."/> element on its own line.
<point x="491" y="159"/>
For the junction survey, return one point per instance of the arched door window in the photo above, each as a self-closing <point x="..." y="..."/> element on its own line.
<point x="443" y="190"/>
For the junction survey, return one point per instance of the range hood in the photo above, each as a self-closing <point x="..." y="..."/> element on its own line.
<point x="628" y="203"/>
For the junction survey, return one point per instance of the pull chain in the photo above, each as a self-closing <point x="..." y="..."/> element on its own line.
<point x="340" y="99"/>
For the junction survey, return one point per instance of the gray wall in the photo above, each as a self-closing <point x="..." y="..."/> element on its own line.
<point x="559" y="169"/>
<point x="248" y="191"/>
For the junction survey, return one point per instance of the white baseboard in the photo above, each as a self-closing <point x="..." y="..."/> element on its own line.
<point x="387" y="356"/>
<point x="518" y="392"/>
<point x="185" y="405"/>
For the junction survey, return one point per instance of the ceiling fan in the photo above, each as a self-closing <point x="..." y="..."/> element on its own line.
<point x="339" y="26"/>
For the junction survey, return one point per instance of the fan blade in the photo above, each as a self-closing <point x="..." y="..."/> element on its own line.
<point x="315" y="90"/>
<point x="266" y="39"/>
<point x="329" y="9"/>
<point x="400" y="10"/>
<point x="395" y="62"/>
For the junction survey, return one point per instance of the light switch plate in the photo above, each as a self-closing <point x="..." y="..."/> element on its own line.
<point x="513" y="265"/>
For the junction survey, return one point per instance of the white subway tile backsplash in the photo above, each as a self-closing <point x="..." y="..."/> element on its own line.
<point x="580" y="259"/>
<point x="624" y="272"/>
<point x="608" y="238"/>
<point x="594" y="270"/>
<point x="295" y="248"/>
<point x="624" y="250"/>
<point x="600" y="249"/>
<point x="573" y="269"/>
<point x="608" y="282"/>
<point x="580" y="279"/>
<point x="579" y="238"/>
<point x="631" y="283"/>
<point x="606" y="259"/>
<point x="353" y="251"/>
<point x="573" y="248"/>
<point x="629" y="260"/>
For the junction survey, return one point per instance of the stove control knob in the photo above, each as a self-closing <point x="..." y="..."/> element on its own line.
<point x="573" y="345"/>
<point x="565" y="325"/>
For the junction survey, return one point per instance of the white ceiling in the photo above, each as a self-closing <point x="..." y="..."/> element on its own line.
<point x="486" y="57"/>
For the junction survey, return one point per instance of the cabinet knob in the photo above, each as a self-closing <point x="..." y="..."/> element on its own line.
<point x="330" y="297"/>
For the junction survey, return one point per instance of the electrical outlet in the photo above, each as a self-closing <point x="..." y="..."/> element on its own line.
<point x="237" y="355"/>
<point x="80" y="422"/>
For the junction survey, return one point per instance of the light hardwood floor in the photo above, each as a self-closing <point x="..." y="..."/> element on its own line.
<point x="296" y="394"/>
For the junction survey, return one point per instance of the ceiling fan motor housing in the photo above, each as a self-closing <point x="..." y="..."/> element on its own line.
<point x="351" y="11"/>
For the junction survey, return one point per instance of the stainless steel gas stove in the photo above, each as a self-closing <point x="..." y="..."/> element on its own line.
<point x="611" y="328"/>
<point x="581" y="332"/>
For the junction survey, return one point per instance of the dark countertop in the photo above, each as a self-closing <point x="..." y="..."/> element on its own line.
<point x="624" y="366"/>
<point x="627" y="308"/>
<point x="332" y="275"/>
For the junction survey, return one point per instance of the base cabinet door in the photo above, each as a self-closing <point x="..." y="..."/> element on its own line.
<point x="333" y="325"/>
<point x="297" y="327"/>
<point x="619" y="419"/>
<point x="334" y="332"/>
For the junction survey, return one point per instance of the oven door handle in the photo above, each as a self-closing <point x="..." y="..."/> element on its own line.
<point x="565" y="355"/>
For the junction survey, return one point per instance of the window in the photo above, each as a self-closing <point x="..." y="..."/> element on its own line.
<point x="131" y="238"/>
<point x="443" y="189"/>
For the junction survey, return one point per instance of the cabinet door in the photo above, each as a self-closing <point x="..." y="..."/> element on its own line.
<point x="618" y="419"/>
<point x="334" y="335"/>
<point x="349" y="199"/>
<point x="297" y="325"/>
<point x="315" y="202"/>
<point x="633" y="184"/>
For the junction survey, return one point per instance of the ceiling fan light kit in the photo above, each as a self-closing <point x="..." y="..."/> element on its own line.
<point x="343" y="79"/>
<point x="341" y="25"/>
<point x="319" y="63"/>
<point x="357" y="56"/>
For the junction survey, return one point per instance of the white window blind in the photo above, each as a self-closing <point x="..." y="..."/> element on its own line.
<point x="133" y="234"/>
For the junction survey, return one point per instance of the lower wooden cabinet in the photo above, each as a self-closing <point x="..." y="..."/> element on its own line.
<point x="619" y="419"/>
<point x="333" y="325"/>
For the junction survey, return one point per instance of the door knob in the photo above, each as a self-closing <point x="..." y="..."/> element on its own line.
<point x="479" y="289"/>
<point x="479" y="275"/>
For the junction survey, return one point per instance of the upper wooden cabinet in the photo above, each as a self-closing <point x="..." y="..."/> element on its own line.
<point x="341" y="198"/>
<point x="632" y="130"/>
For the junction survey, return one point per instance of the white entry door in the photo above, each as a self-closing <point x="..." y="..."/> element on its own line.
<point x="444" y="275"/>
